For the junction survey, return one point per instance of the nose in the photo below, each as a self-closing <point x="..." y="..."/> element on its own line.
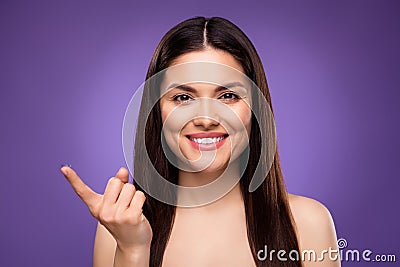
<point x="205" y="122"/>
<point x="206" y="117"/>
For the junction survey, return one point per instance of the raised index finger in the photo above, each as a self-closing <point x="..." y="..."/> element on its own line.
<point x="82" y="190"/>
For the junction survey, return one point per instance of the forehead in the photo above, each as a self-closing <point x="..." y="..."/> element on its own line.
<point x="208" y="66"/>
<point x="202" y="73"/>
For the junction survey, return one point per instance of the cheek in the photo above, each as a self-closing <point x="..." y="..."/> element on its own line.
<point x="172" y="122"/>
<point x="167" y="127"/>
<point x="172" y="119"/>
<point x="164" y="111"/>
<point x="245" y="115"/>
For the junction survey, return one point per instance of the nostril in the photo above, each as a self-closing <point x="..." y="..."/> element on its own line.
<point x="205" y="121"/>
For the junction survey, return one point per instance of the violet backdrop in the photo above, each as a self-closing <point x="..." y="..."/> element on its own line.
<point x="69" y="69"/>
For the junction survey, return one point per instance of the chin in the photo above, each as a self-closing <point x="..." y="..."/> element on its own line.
<point x="211" y="165"/>
<point x="215" y="168"/>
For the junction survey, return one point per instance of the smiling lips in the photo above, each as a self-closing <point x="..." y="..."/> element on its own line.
<point x="207" y="141"/>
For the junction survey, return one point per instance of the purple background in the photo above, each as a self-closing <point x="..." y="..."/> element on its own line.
<point x="68" y="71"/>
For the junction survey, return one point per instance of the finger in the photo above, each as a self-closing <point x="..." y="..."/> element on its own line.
<point x="123" y="175"/>
<point x="112" y="191"/>
<point x="82" y="190"/>
<point x="136" y="205"/>
<point x="125" y="198"/>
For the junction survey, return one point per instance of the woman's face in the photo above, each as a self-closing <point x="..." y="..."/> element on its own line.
<point x="206" y="125"/>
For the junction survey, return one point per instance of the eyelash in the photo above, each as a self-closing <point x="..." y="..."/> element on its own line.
<point x="233" y="97"/>
<point x="176" y="98"/>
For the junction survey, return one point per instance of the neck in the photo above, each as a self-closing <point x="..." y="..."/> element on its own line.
<point x="226" y="190"/>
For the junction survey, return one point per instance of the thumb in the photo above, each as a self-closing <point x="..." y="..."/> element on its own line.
<point x="122" y="174"/>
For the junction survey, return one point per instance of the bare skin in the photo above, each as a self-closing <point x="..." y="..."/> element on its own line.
<point x="215" y="235"/>
<point x="211" y="235"/>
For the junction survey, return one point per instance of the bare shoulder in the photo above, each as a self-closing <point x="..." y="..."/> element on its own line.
<point x="308" y="211"/>
<point x="314" y="225"/>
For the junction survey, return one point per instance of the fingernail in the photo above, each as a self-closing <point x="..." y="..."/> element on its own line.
<point x="66" y="165"/>
<point x="64" y="170"/>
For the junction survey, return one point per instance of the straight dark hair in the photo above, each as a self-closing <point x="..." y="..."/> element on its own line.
<point x="268" y="216"/>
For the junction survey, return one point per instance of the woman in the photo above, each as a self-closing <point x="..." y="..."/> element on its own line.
<point x="241" y="228"/>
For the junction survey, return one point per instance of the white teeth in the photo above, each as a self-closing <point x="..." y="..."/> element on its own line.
<point x="207" y="141"/>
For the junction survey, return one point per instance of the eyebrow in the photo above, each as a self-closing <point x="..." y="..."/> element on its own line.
<point x="220" y="88"/>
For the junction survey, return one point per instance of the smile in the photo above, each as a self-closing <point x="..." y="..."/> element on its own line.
<point x="207" y="141"/>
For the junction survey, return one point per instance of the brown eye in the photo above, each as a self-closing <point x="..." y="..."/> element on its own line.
<point x="182" y="98"/>
<point x="229" y="96"/>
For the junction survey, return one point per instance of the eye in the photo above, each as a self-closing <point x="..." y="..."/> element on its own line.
<point x="182" y="98"/>
<point x="229" y="97"/>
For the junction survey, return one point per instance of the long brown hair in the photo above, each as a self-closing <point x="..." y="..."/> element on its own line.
<point x="268" y="216"/>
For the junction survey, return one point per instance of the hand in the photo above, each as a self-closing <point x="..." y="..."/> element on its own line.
<point x="119" y="209"/>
